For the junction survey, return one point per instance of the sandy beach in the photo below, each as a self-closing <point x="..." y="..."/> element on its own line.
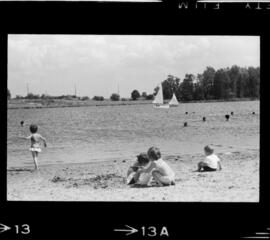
<point x="105" y="181"/>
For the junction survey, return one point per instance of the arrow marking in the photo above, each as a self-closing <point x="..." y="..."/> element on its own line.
<point x="4" y="228"/>
<point x="131" y="230"/>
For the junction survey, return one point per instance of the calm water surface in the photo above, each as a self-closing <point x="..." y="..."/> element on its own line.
<point x="85" y="134"/>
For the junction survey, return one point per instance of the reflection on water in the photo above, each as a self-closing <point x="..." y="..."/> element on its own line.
<point x="84" y="134"/>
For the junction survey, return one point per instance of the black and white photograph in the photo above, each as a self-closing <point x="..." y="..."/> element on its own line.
<point x="133" y="118"/>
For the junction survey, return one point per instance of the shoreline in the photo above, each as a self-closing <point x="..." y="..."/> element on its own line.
<point x="166" y="157"/>
<point x="55" y="103"/>
<point x="105" y="181"/>
<point x="79" y="104"/>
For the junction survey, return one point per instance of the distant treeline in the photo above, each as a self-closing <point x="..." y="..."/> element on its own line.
<point x="221" y="84"/>
<point x="46" y="96"/>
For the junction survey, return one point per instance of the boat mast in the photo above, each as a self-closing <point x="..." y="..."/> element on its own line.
<point x="27" y="89"/>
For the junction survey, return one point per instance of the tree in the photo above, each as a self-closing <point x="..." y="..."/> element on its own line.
<point x="144" y="95"/>
<point x="234" y="74"/>
<point x="225" y="83"/>
<point x="98" y="98"/>
<point x="197" y="88"/>
<point x="85" y="98"/>
<point x="208" y="82"/>
<point x="150" y="97"/>
<point x="115" y="97"/>
<point x="248" y="84"/>
<point x="218" y="84"/>
<point x="32" y="96"/>
<point x="8" y="94"/>
<point x="45" y="96"/>
<point x="187" y="87"/>
<point x="258" y="81"/>
<point x="135" y="94"/>
<point x="221" y="86"/>
<point x="253" y="82"/>
<point x="167" y="86"/>
<point x="171" y="85"/>
<point x="241" y="83"/>
<point x="156" y="90"/>
<point x="19" y="97"/>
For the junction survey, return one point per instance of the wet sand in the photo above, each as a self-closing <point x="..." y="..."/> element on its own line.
<point x="238" y="181"/>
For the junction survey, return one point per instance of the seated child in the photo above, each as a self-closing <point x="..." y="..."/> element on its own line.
<point x="161" y="172"/>
<point x="135" y="172"/>
<point x="211" y="162"/>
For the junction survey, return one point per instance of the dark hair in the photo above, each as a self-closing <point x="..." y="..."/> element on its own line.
<point x="208" y="149"/>
<point x="33" y="128"/>
<point x="143" y="158"/>
<point x="154" y="153"/>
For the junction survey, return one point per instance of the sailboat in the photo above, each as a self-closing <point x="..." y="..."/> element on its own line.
<point x="158" y="101"/>
<point x="174" y="102"/>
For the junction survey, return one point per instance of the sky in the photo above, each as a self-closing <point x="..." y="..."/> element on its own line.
<point x="99" y="65"/>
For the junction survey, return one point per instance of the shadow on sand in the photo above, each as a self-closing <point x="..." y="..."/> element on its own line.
<point x="136" y="185"/>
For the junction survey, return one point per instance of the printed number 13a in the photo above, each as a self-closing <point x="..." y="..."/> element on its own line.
<point x="152" y="231"/>
<point x="22" y="229"/>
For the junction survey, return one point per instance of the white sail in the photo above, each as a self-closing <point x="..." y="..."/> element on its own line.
<point x="159" y="97"/>
<point x="158" y="101"/>
<point x="173" y="101"/>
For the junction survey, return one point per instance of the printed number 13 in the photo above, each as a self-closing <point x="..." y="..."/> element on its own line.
<point x="151" y="231"/>
<point x="22" y="229"/>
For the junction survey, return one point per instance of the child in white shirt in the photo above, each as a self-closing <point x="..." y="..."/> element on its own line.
<point x="211" y="161"/>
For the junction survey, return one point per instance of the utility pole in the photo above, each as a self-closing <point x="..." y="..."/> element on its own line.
<point x="27" y="88"/>
<point x="75" y="90"/>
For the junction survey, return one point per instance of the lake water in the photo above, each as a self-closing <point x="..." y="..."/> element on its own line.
<point x="85" y="134"/>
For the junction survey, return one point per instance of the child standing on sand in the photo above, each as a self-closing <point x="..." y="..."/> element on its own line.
<point x="35" y="140"/>
<point x="135" y="174"/>
<point x="161" y="172"/>
<point x="211" y="161"/>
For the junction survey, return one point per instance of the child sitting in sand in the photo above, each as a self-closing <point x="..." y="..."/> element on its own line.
<point x="161" y="172"/>
<point x="135" y="173"/>
<point x="211" y="161"/>
<point x="35" y="140"/>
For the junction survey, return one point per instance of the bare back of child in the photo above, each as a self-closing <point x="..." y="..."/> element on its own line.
<point x="161" y="171"/>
